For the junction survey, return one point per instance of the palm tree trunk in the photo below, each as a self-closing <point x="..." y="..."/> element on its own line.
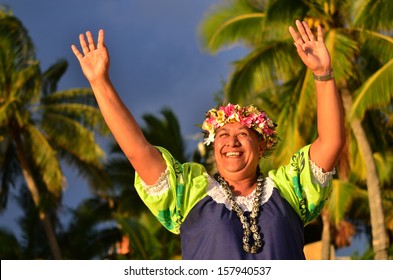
<point x="378" y="229"/>
<point x="31" y="185"/>
<point x="326" y="236"/>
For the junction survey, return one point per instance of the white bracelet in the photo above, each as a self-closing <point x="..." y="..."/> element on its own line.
<point x="326" y="77"/>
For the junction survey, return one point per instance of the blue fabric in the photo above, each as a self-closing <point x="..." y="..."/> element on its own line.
<point x="211" y="231"/>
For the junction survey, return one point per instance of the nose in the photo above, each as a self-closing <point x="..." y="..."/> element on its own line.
<point x="233" y="141"/>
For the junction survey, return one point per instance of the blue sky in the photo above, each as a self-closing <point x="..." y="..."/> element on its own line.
<point x="156" y="59"/>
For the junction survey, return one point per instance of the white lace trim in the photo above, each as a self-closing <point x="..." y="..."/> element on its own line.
<point x="160" y="186"/>
<point x="320" y="177"/>
<point x="216" y="192"/>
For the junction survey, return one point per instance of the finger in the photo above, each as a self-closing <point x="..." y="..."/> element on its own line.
<point x="302" y="31"/>
<point x="77" y="53"/>
<point x="84" y="46"/>
<point x="320" y="34"/>
<point x="295" y="35"/>
<point x="296" y="38"/>
<point x="308" y="31"/>
<point x="101" y="37"/>
<point x="90" y="40"/>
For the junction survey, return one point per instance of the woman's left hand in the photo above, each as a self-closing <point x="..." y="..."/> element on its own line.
<point x="313" y="53"/>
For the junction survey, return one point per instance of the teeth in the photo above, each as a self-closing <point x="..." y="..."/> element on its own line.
<point x="231" y="154"/>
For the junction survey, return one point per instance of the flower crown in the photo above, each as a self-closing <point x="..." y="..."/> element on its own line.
<point x="249" y="116"/>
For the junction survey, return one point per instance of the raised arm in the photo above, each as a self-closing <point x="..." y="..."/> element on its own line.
<point x="94" y="61"/>
<point x="326" y="149"/>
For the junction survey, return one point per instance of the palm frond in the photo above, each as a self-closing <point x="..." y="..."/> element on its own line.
<point x="358" y="170"/>
<point x="384" y="163"/>
<point x="15" y="41"/>
<point x="286" y="11"/>
<point x="306" y="106"/>
<point x="342" y="50"/>
<point x="263" y="68"/>
<point x="45" y="159"/>
<point x="142" y="242"/>
<point x="78" y="104"/>
<point x="71" y="136"/>
<point x="165" y="133"/>
<point x="280" y="15"/>
<point x="87" y="115"/>
<point x="77" y="146"/>
<point x="376" y="92"/>
<point x="7" y="110"/>
<point x="228" y="23"/>
<point x="74" y="95"/>
<point x="374" y="15"/>
<point x="375" y="46"/>
<point x="53" y="75"/>
<point x="26" y="83"/>
<point x="342" y="197"/>
<point x="292" y="120"/>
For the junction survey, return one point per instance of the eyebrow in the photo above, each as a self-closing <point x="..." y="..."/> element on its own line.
<point x="226" y="129"/>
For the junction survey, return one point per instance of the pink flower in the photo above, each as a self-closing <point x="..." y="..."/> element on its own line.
<point x="246" y="121"/>
<point x="229" y="109"/>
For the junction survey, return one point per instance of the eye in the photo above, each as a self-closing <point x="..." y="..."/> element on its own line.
<point x="243" y="134"/>
<point x="222" y="134"/>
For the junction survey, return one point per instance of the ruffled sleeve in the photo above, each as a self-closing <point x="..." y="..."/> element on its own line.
<point x="303" y="184"/>
<point x="175" y="193"/>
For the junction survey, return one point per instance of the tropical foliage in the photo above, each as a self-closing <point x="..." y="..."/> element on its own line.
<point x="42" y="128"/>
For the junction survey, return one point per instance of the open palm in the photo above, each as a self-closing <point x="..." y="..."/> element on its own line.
<point x="313" y="53"/>
<point x="95" y="59"/>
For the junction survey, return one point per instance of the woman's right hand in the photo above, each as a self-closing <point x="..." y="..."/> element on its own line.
<point x="95" y="59"/>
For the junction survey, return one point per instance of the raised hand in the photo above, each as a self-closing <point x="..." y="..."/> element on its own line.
<point x="313" y="53"/>
<point x="95" y="59"/>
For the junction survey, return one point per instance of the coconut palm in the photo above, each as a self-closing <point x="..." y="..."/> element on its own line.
<point x="356" y="33"/>
<point x="39" y="126"/>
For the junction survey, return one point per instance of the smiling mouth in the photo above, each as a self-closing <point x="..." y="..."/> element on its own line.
<point x="233" y="154"/>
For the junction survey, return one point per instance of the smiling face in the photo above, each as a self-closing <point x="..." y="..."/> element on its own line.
<point x="237" y="150"/>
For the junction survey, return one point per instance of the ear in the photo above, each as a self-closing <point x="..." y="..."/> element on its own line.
<point x="262" y="148"/>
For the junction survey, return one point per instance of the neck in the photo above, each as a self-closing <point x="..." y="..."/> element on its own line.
<point x="242" y="187"/>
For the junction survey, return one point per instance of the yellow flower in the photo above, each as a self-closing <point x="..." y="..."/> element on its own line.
<point x="220" y="117"/>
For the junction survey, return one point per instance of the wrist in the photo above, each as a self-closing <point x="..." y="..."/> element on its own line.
<point x="324" y="75"/>
<point x="103" y="79"/>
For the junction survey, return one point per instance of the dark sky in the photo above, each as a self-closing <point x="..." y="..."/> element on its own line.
<point x="156" y="59"/>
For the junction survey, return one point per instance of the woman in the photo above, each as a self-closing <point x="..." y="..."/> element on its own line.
<point x="238" y="214"/>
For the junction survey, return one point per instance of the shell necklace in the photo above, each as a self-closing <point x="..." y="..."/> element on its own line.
<point x="248" y="227"/>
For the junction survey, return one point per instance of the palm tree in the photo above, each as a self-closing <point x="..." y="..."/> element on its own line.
<point x="40" y="125"/>
<point x="271" y="71"/>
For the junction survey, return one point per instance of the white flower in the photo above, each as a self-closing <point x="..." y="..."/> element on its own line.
<point x="209" y="139"/>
